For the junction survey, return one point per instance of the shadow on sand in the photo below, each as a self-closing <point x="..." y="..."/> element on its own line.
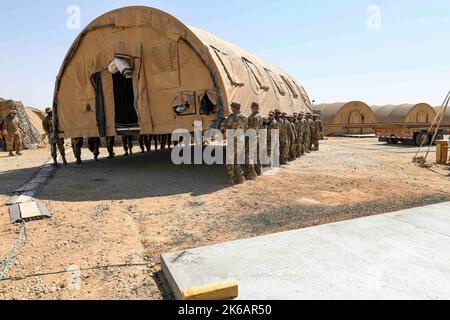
<point x="134" y="177"/>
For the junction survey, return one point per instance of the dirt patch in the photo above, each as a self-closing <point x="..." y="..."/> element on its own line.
<point x="128" y="211"/>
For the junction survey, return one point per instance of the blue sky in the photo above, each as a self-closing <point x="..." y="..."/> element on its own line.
<point x="325" y="44"/>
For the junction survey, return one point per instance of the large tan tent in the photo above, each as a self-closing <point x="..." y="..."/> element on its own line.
<point x="33" y="135"/>
<point x="36" y="116"/>
<point x="140" y="68"/>
<point x="337" y="116"/>
<point x="409" y="113"/>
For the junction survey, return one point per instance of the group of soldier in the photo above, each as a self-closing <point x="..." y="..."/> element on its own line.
<point x="299" y="134"/>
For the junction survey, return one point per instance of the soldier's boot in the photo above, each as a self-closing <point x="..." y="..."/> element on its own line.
<point x="251" y="173"/>
<point x="64" y="159"/>
<point x="11" y="154"/>
<point x="79" y="161"/>
<point x="258" y="169"/>
<point x="18" y="153"/>
<point x="96" y="157"/>
<point x="55" y="162"/>
<point x="111" y="156"/>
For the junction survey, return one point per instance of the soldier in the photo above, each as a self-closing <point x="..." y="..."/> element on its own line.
<point x="255" y="122"/>
<point x="293" y="147"/>
<point x="270" y="124"/>
<point x="236" y="121"/>
<point x="94" y="146"/>
<point x="312" y="126"/>
<point x="284" y="136"/>
<point x="12" y="132"/>
<point x="319" y="121"/>
<point x="77" y="144"/>
<point x="316" y="134"/>
<point x="308" y="133"/>
<point x="301" y="133"/>
<point x="290" y="135"/>
<point x="144" y="143"/>
<point x="53" y="140"/>
<point x="127" y="145"/>
<point x="110" y="142"/>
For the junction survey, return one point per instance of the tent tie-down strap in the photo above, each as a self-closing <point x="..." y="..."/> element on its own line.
<point x="21" y="240"/>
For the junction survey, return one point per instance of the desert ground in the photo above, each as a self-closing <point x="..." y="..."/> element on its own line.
<point x="114" y="218"/>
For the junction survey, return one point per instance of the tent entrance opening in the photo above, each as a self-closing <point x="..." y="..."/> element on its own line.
<point x="126" y="115"/>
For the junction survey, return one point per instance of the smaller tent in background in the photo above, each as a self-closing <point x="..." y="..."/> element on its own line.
<point x="405" y="113"/>
<point x="337" y="116"/>
<point x="446" y="120"/>
<point x="33" y="136"/>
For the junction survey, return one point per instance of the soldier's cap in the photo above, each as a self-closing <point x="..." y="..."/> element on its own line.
<point x="295" y="114"/>
<point x="284" y="114"/>
<point x="48" y="110"/>
<point x="271" y="113"/>
<point x="236" y="104"/>
<point x="13" y="112"/>
<point x="277" y="111"/>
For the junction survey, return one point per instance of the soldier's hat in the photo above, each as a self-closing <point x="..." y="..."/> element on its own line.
<point x="236" y="104"/>
<point x="295" y="114"/>
<point x="48" y="110"/>
<point x="277" y="111"/>
<point x="13" y="112"/>
<point x="284" y="114"/>
<point x="271" y="113"/>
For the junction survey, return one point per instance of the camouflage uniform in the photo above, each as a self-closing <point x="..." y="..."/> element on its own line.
<point x="236" y="121"/>
<point x="284" y="138"/>
<point x="55" y="142"/>
<point x="255" y="122"/>
<point x="294" y="140"/>
<point x="12" y="134"/>
<point x="307" y="135"/>
<point x="316" y="135"/>
<point x="299" y="130"/>
<point x="77" y="144"/>
<point x="291" y="138"/>
<point x="269" y="125"/>
<point x="320" y="128"/>
<point x="312" y="126"/>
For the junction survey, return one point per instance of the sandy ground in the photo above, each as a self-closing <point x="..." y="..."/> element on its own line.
<point x="130" y="210"/>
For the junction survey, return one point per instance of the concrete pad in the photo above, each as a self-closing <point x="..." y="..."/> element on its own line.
<point x="401" y="255"/>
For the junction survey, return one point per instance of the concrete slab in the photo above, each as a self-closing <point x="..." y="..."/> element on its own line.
<point x="401" y="255"/>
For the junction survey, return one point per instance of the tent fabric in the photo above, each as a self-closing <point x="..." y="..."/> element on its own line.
<point x="446" y="120"/>
<point x="169" y="60"/>
<point x="29" y="120"/>
<point x="417" y="113"/>
<point x="340" y="113"/>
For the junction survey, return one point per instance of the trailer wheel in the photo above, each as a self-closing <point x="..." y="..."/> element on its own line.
<point x="394" y="141"/>
<point x="421" y="138"/>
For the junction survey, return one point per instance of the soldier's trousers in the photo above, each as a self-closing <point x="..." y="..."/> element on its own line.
<point x="59" y="145"/>
<point x="252" y="163"/>
<point x="299" y="148"/>
<point x="13" y="142"/>
<point x="94" y="146"/>
<point x="127" y="143"/>
<point x="315" y="143"/>
<point x="294" y="150"/>
<point x="144" y="142"/>
<point x="77" y="144"/>
<point x="233" y="166"/>
<point x="308" y="144"/>
<point x="283" y="151"/>
<point x="110" y="142"/>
